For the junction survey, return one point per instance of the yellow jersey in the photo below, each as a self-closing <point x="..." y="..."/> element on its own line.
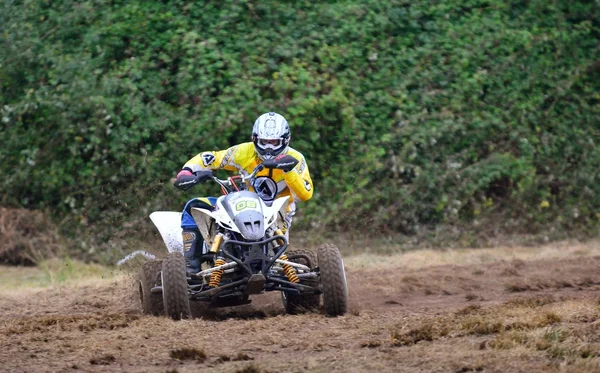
<point x="269" y="183"/>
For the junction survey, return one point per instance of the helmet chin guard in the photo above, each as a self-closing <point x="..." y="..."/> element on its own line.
<point x="270" y="135"/>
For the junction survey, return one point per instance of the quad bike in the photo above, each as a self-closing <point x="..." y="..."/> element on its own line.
<point x="251" y="258"/>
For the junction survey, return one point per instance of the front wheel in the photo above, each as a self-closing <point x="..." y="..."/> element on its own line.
<point x="333" y="280"/>
<point x="295" y="303"/>
<point x="175" y="287"/>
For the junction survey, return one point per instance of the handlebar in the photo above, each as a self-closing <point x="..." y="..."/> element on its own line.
<point x="285" y="163"/>
<point x="229" y="183"/>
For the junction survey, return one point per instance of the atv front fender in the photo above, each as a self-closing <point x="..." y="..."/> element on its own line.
<point x="168" y="224"/>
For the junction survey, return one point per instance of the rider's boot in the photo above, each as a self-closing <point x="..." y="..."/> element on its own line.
<point x="192" y="249"/>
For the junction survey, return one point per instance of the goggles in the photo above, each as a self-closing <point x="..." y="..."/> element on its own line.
<point x="270" y="143"/>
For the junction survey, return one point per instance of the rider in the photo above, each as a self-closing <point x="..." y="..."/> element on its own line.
<point x="270" y="140"/>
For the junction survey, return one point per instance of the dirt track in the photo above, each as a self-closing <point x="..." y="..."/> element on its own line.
<point x="437" y="319"/>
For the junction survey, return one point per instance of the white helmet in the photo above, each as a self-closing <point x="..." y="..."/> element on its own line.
<point x="271" y="135"/>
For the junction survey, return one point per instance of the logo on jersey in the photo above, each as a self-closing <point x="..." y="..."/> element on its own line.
<point x="189" y="236"/>
<point x="188" y="240"/>
<point x="307" y="185"/>
<point x="266" y="188"/>
<point x="302" y="166"/>
<point x="208" y="159"/>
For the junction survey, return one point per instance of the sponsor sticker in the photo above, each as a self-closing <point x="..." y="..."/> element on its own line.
<point x="242" y="205"/>
<point x="208" y="159"/>
<point x="266" y="188"/>
<point x="189" y="236"/>
<point x="302" y="167"/>
<point x="307" y="185"/>
<point x="227" y="156"/>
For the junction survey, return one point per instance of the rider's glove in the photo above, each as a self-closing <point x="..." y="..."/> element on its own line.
<point x="202" y="176"/>
<point x="284" y="162"/>
<point x="186" y="179"/>
<point x="184" y="172"/>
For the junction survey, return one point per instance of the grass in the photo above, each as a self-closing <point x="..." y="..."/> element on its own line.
<point x="537" y="284"/>
<point x="53" y="272"/>
<point x="477" y="321"/>
<point x="188" y="354"/>
<point x="374" y="256"/>
<point x="542" y="330"/>
<point x="570" y="343"/>
<point x="80" y="322"/>
<point x="66" y="271"/>
<point x="564" y="332"/>
<point x="251" y="368"/>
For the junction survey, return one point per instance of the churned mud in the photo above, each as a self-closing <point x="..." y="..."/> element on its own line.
<point x="509" y="315"/>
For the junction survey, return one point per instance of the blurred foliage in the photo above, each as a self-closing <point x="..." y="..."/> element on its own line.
<point x="411" y="114"/>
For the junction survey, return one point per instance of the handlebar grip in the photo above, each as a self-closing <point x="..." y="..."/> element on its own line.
<point x="285" y="163"/>
<point x="185" y="182"/>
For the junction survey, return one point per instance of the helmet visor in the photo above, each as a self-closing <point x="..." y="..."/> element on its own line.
<point x="270" y="143"/>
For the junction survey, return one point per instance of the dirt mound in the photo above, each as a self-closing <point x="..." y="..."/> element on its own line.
<point x="26" y="236"/>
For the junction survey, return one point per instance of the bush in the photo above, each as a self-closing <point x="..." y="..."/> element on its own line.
<point x="26" y="237"/>
<point x="411" y="115"/>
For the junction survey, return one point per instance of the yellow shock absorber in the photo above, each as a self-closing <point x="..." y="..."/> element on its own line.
<point x="289" y="271"/>
<point x="279" y="232"/>
<point x="285" y="227"/>
<point x="217" y="243"/>
<point x="215" y="277"/>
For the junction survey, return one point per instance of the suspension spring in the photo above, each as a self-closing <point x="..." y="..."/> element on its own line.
<point x="215" y="277"/>
<point x="279" y="232"/>
<point x="289" y="271"/>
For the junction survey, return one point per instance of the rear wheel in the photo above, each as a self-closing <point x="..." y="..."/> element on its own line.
<point x="175" y="287"/>
<point x="333" y="280"/>
<point x="295" y="303"/>
<point x="152" y="304"/>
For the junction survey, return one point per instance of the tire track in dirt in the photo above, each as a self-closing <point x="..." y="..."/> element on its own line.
<point x="100" y="328"/>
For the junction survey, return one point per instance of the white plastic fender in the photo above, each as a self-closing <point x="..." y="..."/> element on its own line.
<point x="271" y="212"/>
<point x="204" y="220"/>
<point x="168" y="224"/>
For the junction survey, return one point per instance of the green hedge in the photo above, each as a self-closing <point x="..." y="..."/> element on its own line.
<point x="411" y="114"/>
